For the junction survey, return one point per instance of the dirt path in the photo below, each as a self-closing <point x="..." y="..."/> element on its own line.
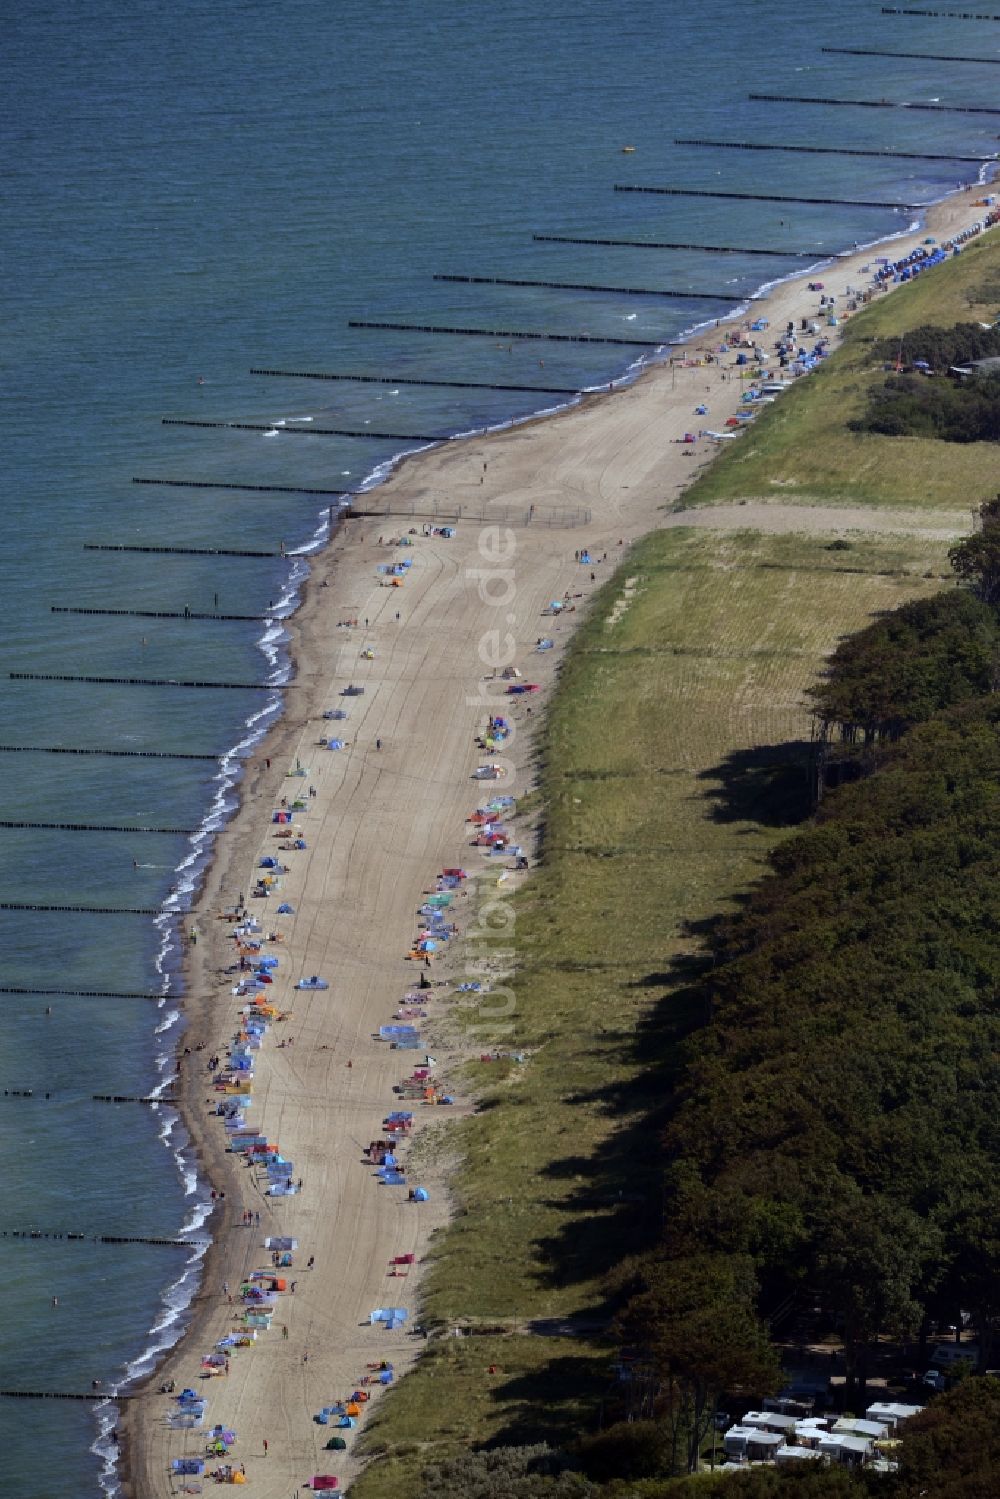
<point x="775" y="518"/>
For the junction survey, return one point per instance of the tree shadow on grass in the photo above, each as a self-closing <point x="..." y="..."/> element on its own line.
<point x="614" y="1208"/>
<point x="771" y="785"/>
<point x="610" y="1203"/>
<point x="552" y="1401"/>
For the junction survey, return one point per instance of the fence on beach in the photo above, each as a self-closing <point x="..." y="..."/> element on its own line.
<point x="443" y="511"/>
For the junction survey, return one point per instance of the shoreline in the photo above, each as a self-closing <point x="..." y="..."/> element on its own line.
<point x="314" y="640"/>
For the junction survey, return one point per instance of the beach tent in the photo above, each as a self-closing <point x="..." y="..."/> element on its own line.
<point x="336" y="1444"/>
<point x="420" y="1194"/>
<point x="186" y="1419"/>
<point x="312" y="983"/>
<point x="285" y="909"/>
<point x="389" y="1316"/>
<point x="391" y="1178"/>
<point x="325" y="1481"/>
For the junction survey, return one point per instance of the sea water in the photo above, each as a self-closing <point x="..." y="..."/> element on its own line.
<point x="196" y="189"/>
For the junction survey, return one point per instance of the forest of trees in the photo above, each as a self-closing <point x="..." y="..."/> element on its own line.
<point x="937" y="345"/>
<point x="911" y="405"/>
<point x="832" y="1140"/>
<point x="954" y="410"/>
<point x="951" y="1451"/>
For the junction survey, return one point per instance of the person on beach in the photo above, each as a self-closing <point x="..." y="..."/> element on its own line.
<point x="265" y="1446"/>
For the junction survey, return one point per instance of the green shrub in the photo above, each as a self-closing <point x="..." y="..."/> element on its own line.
<point x="629" y="1449"/>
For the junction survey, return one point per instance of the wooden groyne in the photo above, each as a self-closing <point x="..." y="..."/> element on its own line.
<point x="130" y="1098"/>
<point x="562" y="338"/>
<point x="618" y="291"/>
<point x="91" y="827"/>
<point x="653" y="244"/>
<point x="307" y="431"/>
<point x="948" y="109"/>
<point x="94" y="1396"/>
<point x="949" y="15"/>
<point x="917" y="56"/>
<point x="706" y="192"/>
<point x="18" y="905"/>
<point x="543" y="390"/>
<point x="117" y="546"/>
<point x="55" y="676"/>
<point x="156" y="613"/>
<point x="249" y="488"/>
<point x="114" y="754"/>
<point x="35" y="1233"/>
<point x="832" y="150"/>
<point x="83" y="993"/>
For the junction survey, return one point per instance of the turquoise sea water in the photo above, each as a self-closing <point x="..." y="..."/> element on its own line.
<point x="197" y="189"/>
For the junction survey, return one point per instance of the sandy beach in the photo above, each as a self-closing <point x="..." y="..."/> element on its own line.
<point x="388" y="814"/>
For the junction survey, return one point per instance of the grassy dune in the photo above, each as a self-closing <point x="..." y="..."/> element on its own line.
<point x="799" y="450"/>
